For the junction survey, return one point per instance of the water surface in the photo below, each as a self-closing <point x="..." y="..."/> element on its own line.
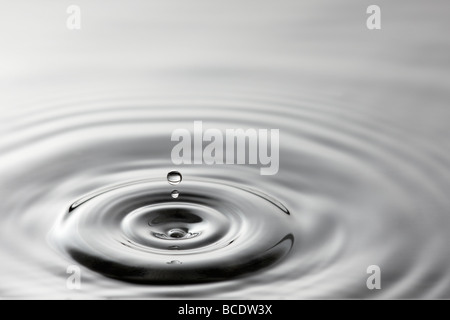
<point x="86" y="119"/>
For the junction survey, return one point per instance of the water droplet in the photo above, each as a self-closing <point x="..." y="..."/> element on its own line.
<point x="174" y="248"/>
<point x="176" y="233"/>
<point x="174" y="262"/>
<point x="174" y="177"/>
<point x="175" y="194"/>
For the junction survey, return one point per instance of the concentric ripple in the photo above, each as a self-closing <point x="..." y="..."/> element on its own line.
<point x="361" y="188"/>
<point x="86" y="118"/>
<point x="136" y="231"/>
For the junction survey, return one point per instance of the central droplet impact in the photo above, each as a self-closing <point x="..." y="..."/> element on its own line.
<point x="174" y="177"/>
<point x="176" y="233"/>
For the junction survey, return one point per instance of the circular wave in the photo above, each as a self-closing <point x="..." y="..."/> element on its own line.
<point x="361" y="189"/>
<point x="137" y="232"/>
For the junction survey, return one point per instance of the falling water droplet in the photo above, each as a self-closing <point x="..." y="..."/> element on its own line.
<point x="174" y="262"/>
<point x="174" y="177"/>
<point x="175" y="194"/>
